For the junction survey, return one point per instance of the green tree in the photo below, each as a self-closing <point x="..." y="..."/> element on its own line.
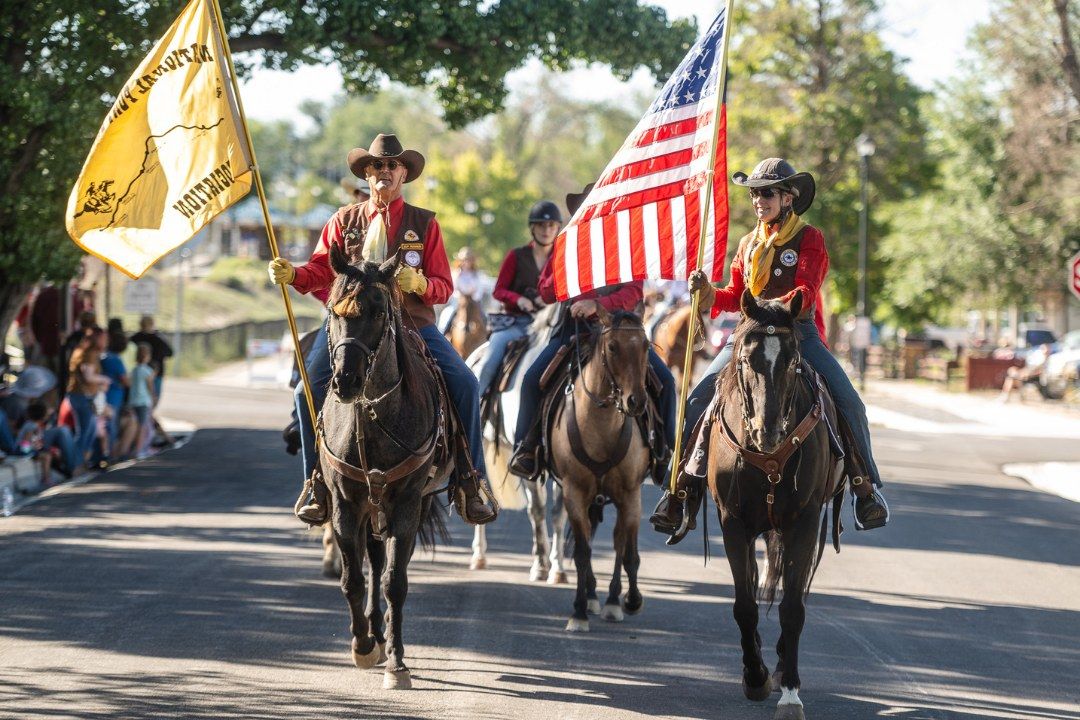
<point x="60" y="64"/>
<point x="806" y="78"/>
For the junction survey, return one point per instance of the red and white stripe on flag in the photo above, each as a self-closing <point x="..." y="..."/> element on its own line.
<point x="643" y="218"/>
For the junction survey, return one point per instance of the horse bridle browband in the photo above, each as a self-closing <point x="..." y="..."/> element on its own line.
<point x="614" y="396"/>
<point x="772" y="464"/>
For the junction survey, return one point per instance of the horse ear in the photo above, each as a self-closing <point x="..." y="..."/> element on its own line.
<point x="338" y="261"/>
<point x="603" y="315"/>
<point x="796" y="305"/>
<point x="389" y="266"/>
<point x="748" y="303"/>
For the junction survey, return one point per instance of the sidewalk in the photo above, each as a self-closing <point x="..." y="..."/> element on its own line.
<point x="921" y="407"/>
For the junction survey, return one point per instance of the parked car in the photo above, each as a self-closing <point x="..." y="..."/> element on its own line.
<point x="1062" y="367"/>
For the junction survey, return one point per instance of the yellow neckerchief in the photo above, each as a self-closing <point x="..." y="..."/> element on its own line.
<point x="763" y="248"/>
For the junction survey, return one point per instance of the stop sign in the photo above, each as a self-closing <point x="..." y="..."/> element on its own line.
<point x="1074" y="274"/>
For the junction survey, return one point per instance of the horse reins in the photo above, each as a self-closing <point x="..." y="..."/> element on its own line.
<point x="772" y="464"/>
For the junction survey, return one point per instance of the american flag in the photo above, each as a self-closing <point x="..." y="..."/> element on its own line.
<point x="642" y="219"/>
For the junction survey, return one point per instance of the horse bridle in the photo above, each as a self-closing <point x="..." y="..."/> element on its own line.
<point x="772" y="464"/>
<point x="614" y="396"/>
<point x="389" y="331"/>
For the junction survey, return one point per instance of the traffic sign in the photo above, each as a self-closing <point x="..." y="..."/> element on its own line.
<point x="141" y="296"/>
<point x="1074" y="275"/>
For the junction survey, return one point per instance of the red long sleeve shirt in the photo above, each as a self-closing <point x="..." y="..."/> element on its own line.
<point x="626" y="297"/>
<point x="316" y="275"/>
<point x="809" y="275"/>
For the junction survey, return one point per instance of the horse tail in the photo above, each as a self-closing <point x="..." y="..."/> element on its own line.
<point x="432" y="524"/>
<point x="774" y="560"/>
<point x="596" y="516"/>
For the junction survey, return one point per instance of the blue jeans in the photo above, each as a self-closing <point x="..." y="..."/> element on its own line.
<point x="83" y="407"/>
<point x="460" y="383"/>
<point x="60" y="437"/>
<point x="7" y="437"/>
<point x="530" y="388"/>
<point x="847" y="400"/>
<point x="497" y="348"/>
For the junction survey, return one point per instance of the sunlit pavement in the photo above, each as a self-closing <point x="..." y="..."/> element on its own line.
<point x="183" y="587"/>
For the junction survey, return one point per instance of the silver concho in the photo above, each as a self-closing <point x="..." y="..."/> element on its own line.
<point x="412" y="259"/>
<point x="777" y="272"/>
<point x="789" y="257"/>
<point x="770" y="330"/>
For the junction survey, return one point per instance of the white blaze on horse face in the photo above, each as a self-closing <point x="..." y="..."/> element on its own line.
<point x="772" y="352"/>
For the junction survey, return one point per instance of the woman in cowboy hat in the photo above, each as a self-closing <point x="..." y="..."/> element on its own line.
<point x="374" y="230"/>
<point x="782" y="256"/>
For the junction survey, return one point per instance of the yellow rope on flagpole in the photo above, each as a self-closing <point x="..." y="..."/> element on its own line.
<point x="219" y="23"/>
<point x="684" y="388"/>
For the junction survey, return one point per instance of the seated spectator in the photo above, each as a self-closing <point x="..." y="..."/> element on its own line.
<point x="1017" y="377"/>
<point x="31" y="440"/>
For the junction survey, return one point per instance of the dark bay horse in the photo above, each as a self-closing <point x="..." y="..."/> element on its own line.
<point x="600" y="456"/>
<point x="380" y="429"/>
<point x="771" y="472"/>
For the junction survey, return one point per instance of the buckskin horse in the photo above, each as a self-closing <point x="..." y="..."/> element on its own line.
<point x="771" y="472"/>
<point x="599" y="455"/>
<point x="548" y="550"/>
<point x="467" y="330"/>
<point x="381" y="432"/>
<point x="670" y="338"/>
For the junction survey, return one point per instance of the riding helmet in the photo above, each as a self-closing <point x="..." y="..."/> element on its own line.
<point x="543" y="211"/>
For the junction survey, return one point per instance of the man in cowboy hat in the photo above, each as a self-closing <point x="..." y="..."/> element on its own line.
<point x="782" y="256"/>
<point x="373" y="231"/>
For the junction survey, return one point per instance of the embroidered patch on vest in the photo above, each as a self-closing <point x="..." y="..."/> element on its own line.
<point x="789" y="257"/>
<point x="411" y="236"/>
<point x="352" y="235"/>
<point x="412" y="258"/>
<point x="777" y="272"/>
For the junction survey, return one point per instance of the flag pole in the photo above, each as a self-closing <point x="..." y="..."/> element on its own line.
<point x="684" y="388"/>
<point x="223" y="37"/>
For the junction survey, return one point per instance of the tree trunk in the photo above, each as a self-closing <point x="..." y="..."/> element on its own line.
<point x="12" y="298"/>
<point x="1069" y="64"/>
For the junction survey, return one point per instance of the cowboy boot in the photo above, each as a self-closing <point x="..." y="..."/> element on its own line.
<point x="676" y="513"/>
<point x="313" y="503"/>
<point x="523" y="463"/>
<point x="472" y="503"/>
<point x="871" y="510"/>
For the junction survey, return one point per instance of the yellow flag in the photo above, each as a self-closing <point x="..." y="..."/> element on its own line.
<point x="170" y="155"/>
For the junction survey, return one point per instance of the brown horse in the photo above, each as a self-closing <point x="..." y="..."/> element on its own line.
<point x="771" y="472"/>
<point x="600" y="456"/>
<point x="467" y="331"/>
<point x="670" y="338"/>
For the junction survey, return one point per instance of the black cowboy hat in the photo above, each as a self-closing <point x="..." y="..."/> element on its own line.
<point x="774" y="172"/>
<point x="574" y="200"/>
<point x="386" y="147"/>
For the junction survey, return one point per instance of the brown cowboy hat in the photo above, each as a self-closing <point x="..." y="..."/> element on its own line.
<point x="386" y="147"/>
<point x="574" y="200"/>
<point x="774" y="172"/>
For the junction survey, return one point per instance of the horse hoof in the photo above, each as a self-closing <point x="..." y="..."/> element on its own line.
<point x="789" y="712"/>
<point x="557" y="577"/>
<point x="537" y="574"/>
<point x="757" y="694"/>
<point x="478" y="563"/>
<point x="329" y="571"/>
<point x="577" y="626"/>
<point x="398" y="680"/>
<point x="366" y="660"/>
<point x="632" y="609"/>
<point x="593" y="608"/>
<point x="612" y="612"/>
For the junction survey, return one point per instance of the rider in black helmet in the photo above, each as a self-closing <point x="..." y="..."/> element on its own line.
<point x="516" y="286"/>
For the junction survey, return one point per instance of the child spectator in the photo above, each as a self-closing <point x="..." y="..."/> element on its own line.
<point x="31" y="440"/>
<point x="141" y="397"/>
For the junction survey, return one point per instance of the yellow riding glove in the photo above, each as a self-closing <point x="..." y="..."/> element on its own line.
<point x="281" y="271"/>
<point x="412" y="281"/>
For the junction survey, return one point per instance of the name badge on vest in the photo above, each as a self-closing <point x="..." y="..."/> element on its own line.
<point x="789" y="257"/>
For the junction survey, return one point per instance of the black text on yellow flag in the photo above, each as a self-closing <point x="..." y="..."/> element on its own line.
<point x="170" y="154"/>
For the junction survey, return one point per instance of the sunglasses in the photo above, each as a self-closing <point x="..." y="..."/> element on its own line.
<point x="766" y="193"/>
<point x="388" y="164"/>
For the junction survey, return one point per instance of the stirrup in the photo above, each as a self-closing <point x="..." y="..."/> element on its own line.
<point x="481" y="500"/>
<point x="873" y="523"/>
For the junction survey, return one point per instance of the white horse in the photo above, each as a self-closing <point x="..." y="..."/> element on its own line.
<point x="548" y="555"/>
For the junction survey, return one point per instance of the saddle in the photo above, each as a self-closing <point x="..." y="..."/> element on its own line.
<point x="490" y="408"/>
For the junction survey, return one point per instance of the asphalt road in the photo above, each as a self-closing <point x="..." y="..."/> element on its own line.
<point x="183" y="587"/>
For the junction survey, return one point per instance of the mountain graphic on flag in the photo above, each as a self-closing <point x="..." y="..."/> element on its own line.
<point x="643" y="218"/>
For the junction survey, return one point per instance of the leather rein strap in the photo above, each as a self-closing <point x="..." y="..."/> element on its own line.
<point x="598" y="468"/>
<point x="772" y="464"/>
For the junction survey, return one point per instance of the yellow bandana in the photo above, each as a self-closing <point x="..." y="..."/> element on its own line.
<point x="375" y="242"/>
<point x="763" y="248"/>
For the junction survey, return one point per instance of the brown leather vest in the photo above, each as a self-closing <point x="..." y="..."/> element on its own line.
<point x="414" y="221"/>
<point x="526" y="276"/>
<point x="782" y="273"/>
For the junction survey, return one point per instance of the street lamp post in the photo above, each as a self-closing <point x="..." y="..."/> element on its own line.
<point x="865" y="147"/>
